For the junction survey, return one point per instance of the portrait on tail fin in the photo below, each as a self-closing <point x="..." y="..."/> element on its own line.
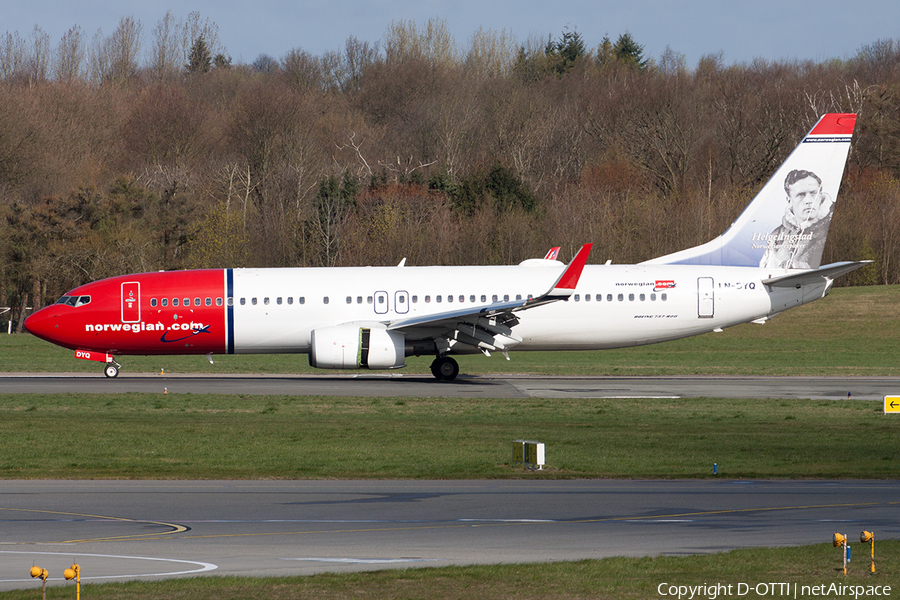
<point x="798" y="242"/>
<point x="769" y="234"/>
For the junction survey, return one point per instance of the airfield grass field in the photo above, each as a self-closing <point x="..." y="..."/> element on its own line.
<point x="855" y="331"/>
<point x="200" y="436"/>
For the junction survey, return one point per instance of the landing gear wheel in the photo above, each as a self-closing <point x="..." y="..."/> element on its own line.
<point x="111" y="370"/>
<point x="444" y="368"/>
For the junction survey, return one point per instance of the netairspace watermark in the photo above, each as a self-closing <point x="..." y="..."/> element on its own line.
<point x="771" y="590"/>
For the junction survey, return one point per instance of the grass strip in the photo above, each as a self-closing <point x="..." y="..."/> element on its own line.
<point x="185" y="436"/>
<point x="814" y="569"/>
<point x="855" y="331"/>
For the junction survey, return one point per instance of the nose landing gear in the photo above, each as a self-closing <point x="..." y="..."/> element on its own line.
<point x="111" y="369"/>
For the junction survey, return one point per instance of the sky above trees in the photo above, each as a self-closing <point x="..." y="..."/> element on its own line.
<point x="741" y="31"/>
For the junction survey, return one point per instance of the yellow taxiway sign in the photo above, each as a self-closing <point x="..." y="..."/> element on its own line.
<point x="891" y="404"/>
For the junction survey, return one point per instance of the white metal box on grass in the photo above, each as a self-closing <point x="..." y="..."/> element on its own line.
<point x="529" y="453"/>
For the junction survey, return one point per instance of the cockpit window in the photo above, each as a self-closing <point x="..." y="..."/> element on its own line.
<point x="74" y="300"/>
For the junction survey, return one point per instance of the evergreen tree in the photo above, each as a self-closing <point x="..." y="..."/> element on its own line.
<point x="199" y="59"/>
<point x="565" y="52"/>
<point x="605" y="52"/>
<point x="222" y="61"/>
<point x="630" y="52"/>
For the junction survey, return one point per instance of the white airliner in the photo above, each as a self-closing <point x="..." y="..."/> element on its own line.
<point x="374" y="317"/>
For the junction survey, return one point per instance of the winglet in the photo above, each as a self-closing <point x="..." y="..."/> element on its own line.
<point x="552" y="254"/>
<point x="567" y="282"/>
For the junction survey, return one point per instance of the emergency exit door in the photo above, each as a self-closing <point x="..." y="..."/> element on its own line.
<point x="131" y="302"/>
<point x="706" y="301"/>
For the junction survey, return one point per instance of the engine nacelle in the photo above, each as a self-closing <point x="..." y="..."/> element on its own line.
<point x="354" y="346"/>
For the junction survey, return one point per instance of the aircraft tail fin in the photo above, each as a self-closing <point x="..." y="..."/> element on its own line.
<point x="785" y="225"/>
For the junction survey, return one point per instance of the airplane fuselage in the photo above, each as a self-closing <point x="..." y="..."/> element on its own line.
<point x="235" y="311"/>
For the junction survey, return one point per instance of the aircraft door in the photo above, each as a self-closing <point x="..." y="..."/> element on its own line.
<point x="381" y="303"/>
<point x="401" y="302"/>
<point x="706" y="302"/>
<point x="131" y="302"/>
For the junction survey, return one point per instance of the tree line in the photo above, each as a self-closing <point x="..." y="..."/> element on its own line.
<point x="413" y="146"/>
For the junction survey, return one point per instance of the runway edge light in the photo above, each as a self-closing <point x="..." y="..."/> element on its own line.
<point x="867" y="537"/>
<point x="74" y="572"/>
<point x="37" y="571"/>
<point x="840" y="541"/>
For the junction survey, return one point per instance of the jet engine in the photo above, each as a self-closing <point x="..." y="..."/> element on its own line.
<point x="353" y="346"/>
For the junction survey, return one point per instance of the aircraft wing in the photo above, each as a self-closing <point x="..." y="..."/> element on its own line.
<point x="489" y="326"/>
<point x="814" y="276"/>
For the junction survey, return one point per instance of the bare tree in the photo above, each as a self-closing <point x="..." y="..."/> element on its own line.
<point x="166" y="127"/>
<point x="332" y="70"/>
<point x="663" y="131"/>
<point x="404" y="41"/>
<point x="38" y="65"/>
<point x="358" y="56"/>
<point x="68" y="64"/>
<point x="343" y="71"/>
<point x="124" y="48"/>
<point x="98" y="58"/>
<point x="303" y="69"/>
<point x="165" y="53"/>
<point x="115" y="58"/>
<point x="491" y="53"/>
<point x="12" y="55"/>
<point x="457" y="117"/>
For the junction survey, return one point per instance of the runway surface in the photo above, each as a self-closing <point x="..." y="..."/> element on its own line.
<point x="493" y="386"/>
<point x="151" y="529"/>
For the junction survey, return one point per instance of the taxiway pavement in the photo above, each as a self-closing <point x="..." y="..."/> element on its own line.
<point x="492" y="386"/>
<point x="151" y="529"/>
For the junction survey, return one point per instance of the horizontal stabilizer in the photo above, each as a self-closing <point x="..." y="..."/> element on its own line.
<point x="832" y="271"/>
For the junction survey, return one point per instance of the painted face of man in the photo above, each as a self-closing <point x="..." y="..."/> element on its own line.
<point x="804" y="196"/>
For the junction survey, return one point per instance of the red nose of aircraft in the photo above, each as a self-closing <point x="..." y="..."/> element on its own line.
<point x="45" y="325"/>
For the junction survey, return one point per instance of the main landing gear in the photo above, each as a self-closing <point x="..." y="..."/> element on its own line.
<point x="444" y="368"/>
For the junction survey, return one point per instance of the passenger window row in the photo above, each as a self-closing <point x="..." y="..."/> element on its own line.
<point x="621" y="297"/>
<point x="289" y="300"/>
<point x="164" y="302"/>
<point x="414" y="299"/>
